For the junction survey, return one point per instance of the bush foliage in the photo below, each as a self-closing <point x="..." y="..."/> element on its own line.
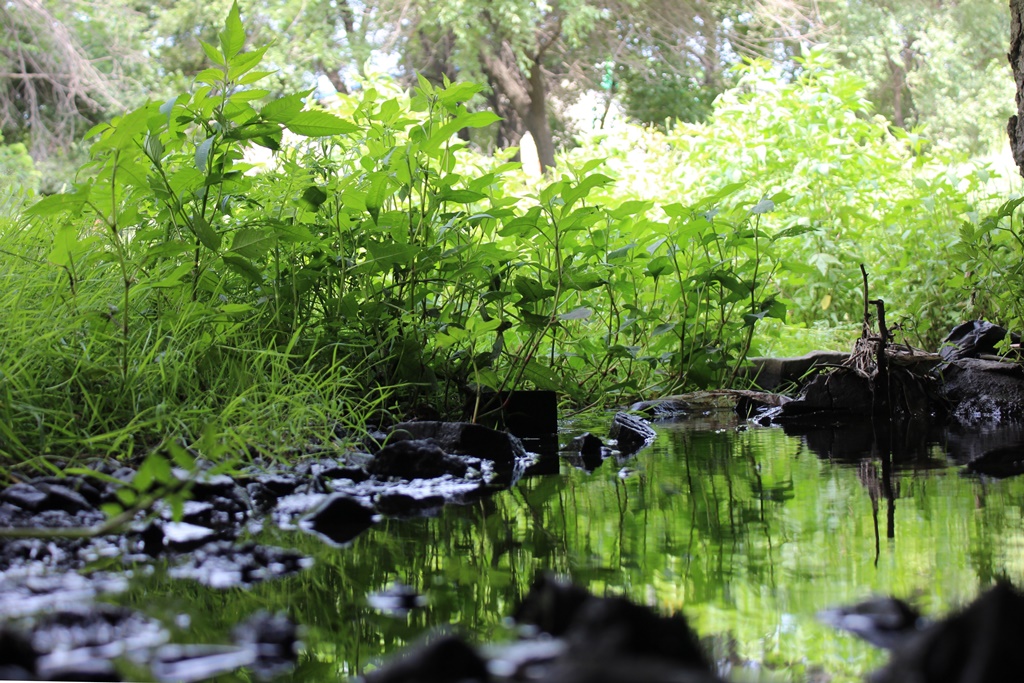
<point x="371" y="261"/>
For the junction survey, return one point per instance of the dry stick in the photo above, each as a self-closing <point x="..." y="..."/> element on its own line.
<point x="866" y="328"/>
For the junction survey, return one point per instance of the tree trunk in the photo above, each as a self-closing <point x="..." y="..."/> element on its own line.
<point x="1015" y="128"/>
<point x="537" y="121"/>
<point x="527" y="96"/>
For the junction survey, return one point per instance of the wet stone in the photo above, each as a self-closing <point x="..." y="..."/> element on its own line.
<point x="397" y="600"/>
<point x="550" y="605"/>
<point x="415" y="459"/>
<point x="444" y="660"/>
<point x="979" y="644"/>
<point x="631" y="433"/>
<point x="23" y="496"/>
<point x="274" y="641"/>
<point x="222" y="564"/>
<point x="398" y="504"/>
<point x="60" y="497"/>
<point x="339" y="519"/>
<point x="882" y="621"/>
<point x="186" y="663"/>
<point x="465" y="438"/>
<point x="586" y="451"/>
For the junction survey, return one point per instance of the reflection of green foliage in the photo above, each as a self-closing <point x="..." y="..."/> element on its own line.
<point x="748" y="533"/>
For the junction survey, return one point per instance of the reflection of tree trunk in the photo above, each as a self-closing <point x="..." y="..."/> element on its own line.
<point x="1015" y="128"/>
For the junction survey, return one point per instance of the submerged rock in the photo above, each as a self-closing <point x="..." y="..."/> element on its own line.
<point x="223" y="564"/>
<point x="981" y="644"/>
<point x="631" y="433"/>
<point x="884" y="621"/>
<point x="446" y="660"/>
<point x="586" y="451"/>
<point x="551" y="604"/>
<point x="339" y="519"/>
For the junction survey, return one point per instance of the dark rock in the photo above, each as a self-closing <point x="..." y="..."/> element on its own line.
<point x="551" y="604"/>
<point x="265" y="491"/>
<point x="226" y="498"/>
<point x="415" y="459"/>
<point x="631" y="433"/>
<point x="466" y="438"/>
<point x="176" y="663"/>
<point x="60" y="497"/>
<point x="397" y="600"/>
<point x="76" y="642"/>
<point x="973" y="339"/>
<point x="398" y="504"/>
<point x="984" y="392"/>
<point x="273" y="638"/>
<point x="980" y="644"/>
<point x="223" y="564"/>
<point x="616" y="627"/>
<point x="446" y="660"/>
<point x="17" y="655"/>
<point x="771" y="373"/>
<point x="836" y="392"/>
<point x="663" y="408"/>
<point x="24" y="496"/>
<point x="339" y="519"/>
<point x="884" y="622"/>
<point x="599" y="669"/>
<point x="586" y="451"/>
<point x="1007" y="461"/>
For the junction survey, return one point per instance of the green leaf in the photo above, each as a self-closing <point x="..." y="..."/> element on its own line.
<point x="542" y="376"/>
<point x="252" y="243"/>
<point x="243" y="267"/>
<point x="284" y="109"/>
<point x="210" y="76"/>
<point x="59" y="203"/>
<point x="244" y="62"/>
<point x="658" y="266"/>
<point x="621" y="252"/>
<point x="233" y="36"/>
<point x="571" y="194"/>
<point x="581" y="313"/>
<point x="444" y="133"/>
<point x="209" y="237"/>
<point x="212" y="53"/>
<point x="319" y="124"/>
<point x="251" y="131"/>
<point x="314" y="197"/>
<point x="203" y="154"/>
<point x="532" y="290"/>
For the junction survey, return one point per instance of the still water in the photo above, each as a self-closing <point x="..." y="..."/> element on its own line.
<point x="748" y="532"/>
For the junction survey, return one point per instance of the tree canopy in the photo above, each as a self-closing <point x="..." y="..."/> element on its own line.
<point x="66" y="66"/>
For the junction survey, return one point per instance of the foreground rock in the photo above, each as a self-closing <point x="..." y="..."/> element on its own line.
<point x="631" y="433"/>
<point x="981" y="644"/>
<point x="570" y="635"/>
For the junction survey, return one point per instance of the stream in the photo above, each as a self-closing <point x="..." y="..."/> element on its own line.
<point x="748" y="531"/>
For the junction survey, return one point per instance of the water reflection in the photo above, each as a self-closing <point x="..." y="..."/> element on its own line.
<point x="748" y="531"/>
